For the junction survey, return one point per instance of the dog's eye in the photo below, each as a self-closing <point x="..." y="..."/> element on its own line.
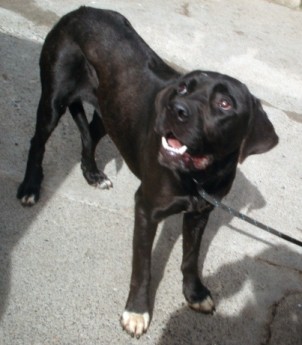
<point x="225" y="104"/>
<point x="182" y="89"/>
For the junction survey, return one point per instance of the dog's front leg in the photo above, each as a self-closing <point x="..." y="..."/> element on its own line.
<point x="136" y="317"/>
<point x="197" y="295"/>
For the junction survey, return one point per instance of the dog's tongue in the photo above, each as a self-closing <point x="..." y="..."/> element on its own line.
<point x="173" y="142"/>
<point x="199" y="161"/>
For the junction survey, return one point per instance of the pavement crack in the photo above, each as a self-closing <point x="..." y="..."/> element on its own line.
<point x="273" y="309"/>
<point x="268" y="262"/>
<point x="268" y="327"/>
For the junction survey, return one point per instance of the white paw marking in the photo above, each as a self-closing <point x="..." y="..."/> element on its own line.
<point x="28" y="200"/>
<point x="135" y="324"/>
<point x="106" y="184"/>
<point x="206" y="306"/>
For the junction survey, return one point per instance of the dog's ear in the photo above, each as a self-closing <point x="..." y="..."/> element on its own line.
<point x="261" y="135"/>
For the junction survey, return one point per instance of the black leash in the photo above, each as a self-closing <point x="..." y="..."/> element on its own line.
<point x="252" y="221"/>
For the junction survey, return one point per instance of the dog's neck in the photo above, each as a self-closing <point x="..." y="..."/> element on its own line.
<point x="216" y="179"/>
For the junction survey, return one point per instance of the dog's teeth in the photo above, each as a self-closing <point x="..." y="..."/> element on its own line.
<point x="181" y="150"/>
<point x="165" y="143"/>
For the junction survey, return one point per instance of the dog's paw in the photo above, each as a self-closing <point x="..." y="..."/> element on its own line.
<point x="28" y="195"/>
<point x="198" y="296"/>
<point x="28" y="200"/>
<point x="97" y="179"/>
<point x="105" y="184"/>
<point x="206" y="306"/>
<point x="135" y="324"/>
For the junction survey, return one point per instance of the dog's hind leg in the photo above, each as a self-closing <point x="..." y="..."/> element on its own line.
<point x="90" y="135"/>
<point x="48" y="115"/>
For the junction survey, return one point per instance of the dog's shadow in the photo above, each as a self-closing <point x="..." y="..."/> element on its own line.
<point x="271" y="315"/>
<point x="273" y="274"/>
<point x="172" y="228"/>
<point x="20" y="91"/>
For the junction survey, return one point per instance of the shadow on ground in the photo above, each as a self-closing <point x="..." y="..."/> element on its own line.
<point x="271" y="315"/>
<point x="20" y="90"/>
<point x="251" y="198"/>
<point x="30" y="10"/>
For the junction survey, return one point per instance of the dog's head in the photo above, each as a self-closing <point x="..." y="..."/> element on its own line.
<point x="204" y="117"/>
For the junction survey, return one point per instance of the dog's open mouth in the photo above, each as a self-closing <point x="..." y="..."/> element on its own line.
<point x="175" y="152"/>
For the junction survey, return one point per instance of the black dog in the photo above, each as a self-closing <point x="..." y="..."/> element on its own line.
<point x="171" y="129"/>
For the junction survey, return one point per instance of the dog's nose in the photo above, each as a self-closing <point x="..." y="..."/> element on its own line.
<point x="180" y="111"/>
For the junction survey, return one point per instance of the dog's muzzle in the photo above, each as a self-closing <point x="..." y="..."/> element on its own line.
<point x="174" y="154"/>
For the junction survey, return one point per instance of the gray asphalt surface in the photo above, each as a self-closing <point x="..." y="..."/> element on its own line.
<point x="65" y="263"/>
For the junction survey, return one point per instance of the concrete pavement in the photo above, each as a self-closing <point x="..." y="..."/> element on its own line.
<point x="65" y="263"/>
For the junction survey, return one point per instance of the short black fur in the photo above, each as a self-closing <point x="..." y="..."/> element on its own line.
<point x="169" y="128"/>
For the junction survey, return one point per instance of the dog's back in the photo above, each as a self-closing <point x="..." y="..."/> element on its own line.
<point x="98" y="33"/>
